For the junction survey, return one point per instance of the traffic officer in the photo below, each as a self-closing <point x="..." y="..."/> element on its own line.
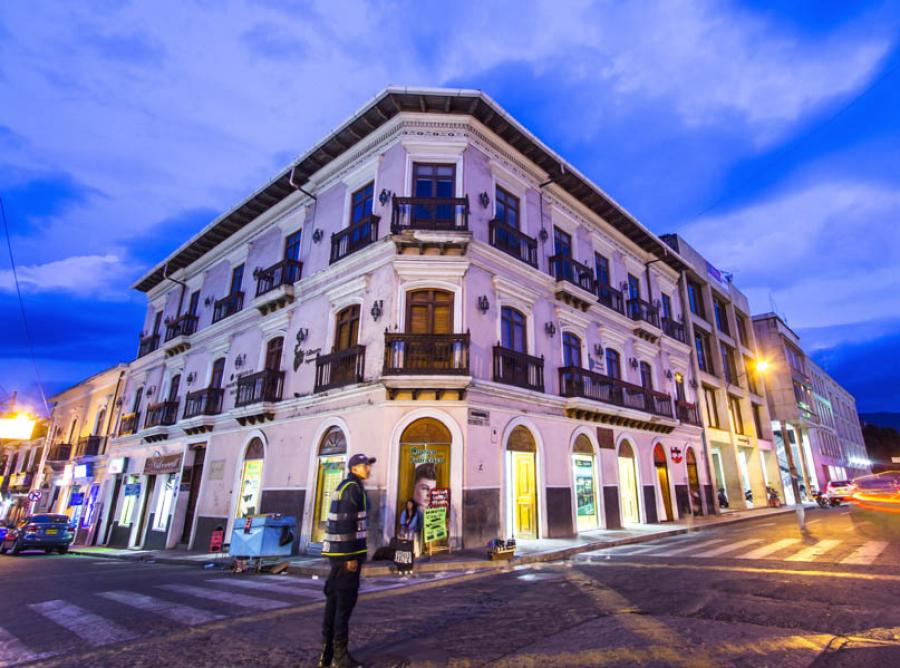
<point x="345" y="547"/>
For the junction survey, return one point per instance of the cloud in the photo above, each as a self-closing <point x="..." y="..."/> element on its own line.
<point x="78" y="275"/>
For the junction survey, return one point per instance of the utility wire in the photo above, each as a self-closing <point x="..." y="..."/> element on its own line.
<point x="12" y="262"/>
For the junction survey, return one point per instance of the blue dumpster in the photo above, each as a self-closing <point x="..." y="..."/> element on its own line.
<point x="263" y="536"/>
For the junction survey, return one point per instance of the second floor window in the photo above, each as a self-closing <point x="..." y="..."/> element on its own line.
<point x="361" y="203"/>
<point x="646" y="376"/>
<point x="429" y="312"/>
<point x="601" y="268"/>
<point x="346" y="332"/>
<point x="712" y="412"/>
<point x="734" y="410"/>
<point x="157" y="321"/>
<point x="571" y="350"/>
<point x="701" y="345"/>
<point x="721" y="314"/>
<point x="666" y="302"/>
<point x="679" y="387"/>
<point x="634" y="287"/>
<point x="292" y="246"/>
<point x="613" y="364"/>
<point x="507" y="208"/>
<point x="218" y="373"/>
<point x="138" y="396"/>
<point x="741" y="328"/>
<point x="562" y="243"/>
<point x="194" y="304"/>
<point x="512" y="329"/>
<point x="273" y="354"/>
<point x="728" y="366"/>
<point x="434" y="182"/>
<point x="237" y="278"/>
<point x="173" y="387"/>
<point x="695" y="299"/>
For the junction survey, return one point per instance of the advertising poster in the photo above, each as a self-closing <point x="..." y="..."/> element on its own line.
<point x="423" y="469"/>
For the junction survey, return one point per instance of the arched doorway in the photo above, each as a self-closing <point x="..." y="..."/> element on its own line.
<point x="662" y="477"/>
<point x="332" y="461"/>
<point x="693" y="481"/>
<point x="424" y="467"/>
<point x="521" y="463"/>
<point x="583" y="471"/>
<point x="251" y="479"/>
<point x="628" y="485"/>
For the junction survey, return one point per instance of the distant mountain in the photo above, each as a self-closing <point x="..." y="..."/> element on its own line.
<point x="882" y="419"/>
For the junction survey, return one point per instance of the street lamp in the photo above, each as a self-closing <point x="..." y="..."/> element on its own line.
<point x="17" y="428"/>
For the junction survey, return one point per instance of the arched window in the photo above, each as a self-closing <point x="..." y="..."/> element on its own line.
<point x="251" y="479"/>
<point x="512" y="329"/>
<point x="571" y="350"/>
<point x="101" y="420"/>
<point x="346" y="332"/>
<point x="613" y="365"/>
<point x="273" y="353"/>
<point x="331" y="470"/>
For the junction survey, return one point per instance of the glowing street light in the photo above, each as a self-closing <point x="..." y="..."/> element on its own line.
<point x="17" y="428"/>
<point x="761" y="366"/>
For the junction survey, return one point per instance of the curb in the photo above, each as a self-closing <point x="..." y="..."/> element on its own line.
<point x="434" y="567"/>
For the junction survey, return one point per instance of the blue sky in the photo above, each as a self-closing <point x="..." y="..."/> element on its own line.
<point x="769" y="135"/>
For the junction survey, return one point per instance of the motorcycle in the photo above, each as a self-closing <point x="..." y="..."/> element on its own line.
<point x="824" y="501"/>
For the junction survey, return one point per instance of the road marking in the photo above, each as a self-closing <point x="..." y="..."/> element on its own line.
<point x="177" y="612"/>
<point x="694" y="546"/>
<point x="766" y="550"/>
<point x="866" y="554"/>
<point x="813" y="552"/>
<point x="269" y="586"/>
<point x="12" y="651"/>
<point x="232" y="598"/>
<point x="846" y="575"/>
<point x="728" y="548"/>
<point x="93" y="629"/>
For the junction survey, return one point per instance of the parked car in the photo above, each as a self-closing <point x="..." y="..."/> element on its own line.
<point x="47" y="532"/>
<point x="838" y="491"/>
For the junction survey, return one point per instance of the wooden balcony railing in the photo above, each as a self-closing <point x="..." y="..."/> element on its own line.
<point x="513" y="242"/>
<point x="519" y="369"/>
<point x="61" y="452"/>
<point x="90" y="446"/>
<point x="638" y="309"/>
<point x="286" y="272"/>
<point x="148" y="344"/>
<point x="354" y="238"/>
<point x="673" y="329"/>
<point x="421" y="354"/>
<point x="611" y="298"/>
<point x="444" y="214"/>
<point x="228" y="305"/>
<point x="207" y="401"/>
<point x="343" y="367"/>
<point x="687" y="412"/>
<point x="266" y="385"/>
<point x="577" y="382"/>
<point x="183" y="325"/>
<point x="129" y="423"/>
<point x="162" y="414"/>
<point x="564" y="268"/>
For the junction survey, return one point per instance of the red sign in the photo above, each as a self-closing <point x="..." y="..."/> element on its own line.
<point x="677" y="457"/>
<point x="439" y="498"/>
<point x="216" y="539"/>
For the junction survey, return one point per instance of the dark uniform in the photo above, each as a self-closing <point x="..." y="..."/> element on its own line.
<point x="345" y="541"/>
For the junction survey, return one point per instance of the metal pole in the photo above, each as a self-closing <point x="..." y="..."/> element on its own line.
<point x="788" y="451"/>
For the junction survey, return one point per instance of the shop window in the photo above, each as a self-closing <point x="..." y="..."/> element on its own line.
<point x="583" y="475"/>
<point x="251" y="480"/>
<point x="331" y="470"/>
<point x="131" y="492"/>
<point x="424" y="465"/>
<point x="164" y="502"/>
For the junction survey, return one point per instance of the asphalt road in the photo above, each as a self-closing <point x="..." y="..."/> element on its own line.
<point x="759" y="593"/>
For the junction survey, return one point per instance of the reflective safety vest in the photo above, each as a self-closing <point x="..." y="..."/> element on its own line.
<point x="347" y="528"/>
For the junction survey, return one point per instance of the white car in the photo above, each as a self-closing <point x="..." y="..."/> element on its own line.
<point x="839" y="490"/>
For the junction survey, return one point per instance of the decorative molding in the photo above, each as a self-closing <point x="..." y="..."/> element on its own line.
<point x="433" y="269"/>
<point x="513" y="290"/>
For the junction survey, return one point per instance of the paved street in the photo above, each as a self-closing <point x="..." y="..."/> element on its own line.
<point x="756" y="593"/>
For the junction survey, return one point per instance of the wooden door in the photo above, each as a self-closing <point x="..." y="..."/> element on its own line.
<point x="628" y="490"/>
<point x="525" y="492"/>
<point x="195" y="477"/>
<point x="429" y="312"/>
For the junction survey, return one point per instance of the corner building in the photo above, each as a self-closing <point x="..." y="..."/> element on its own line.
<point x="429" y="284"/>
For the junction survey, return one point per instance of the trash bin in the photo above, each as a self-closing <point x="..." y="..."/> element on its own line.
<point x="263" y="536"/>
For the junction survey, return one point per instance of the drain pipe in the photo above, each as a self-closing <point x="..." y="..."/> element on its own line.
<point x="298" y="186"/>
<point x="544" y="235"/>
<point x="183" y="288"/>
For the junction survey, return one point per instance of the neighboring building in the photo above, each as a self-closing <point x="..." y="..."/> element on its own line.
<point x="882" y="447"/>
<point x="77" y="477"/>
<point x="429" y="285"/>
<point x="734" y="409"/>
<point x="19" y="462"/>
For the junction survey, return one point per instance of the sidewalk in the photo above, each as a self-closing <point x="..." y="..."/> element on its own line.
<point x="527" y="552"/>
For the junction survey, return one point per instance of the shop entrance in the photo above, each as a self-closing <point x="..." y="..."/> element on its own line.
<point x="586" y="506"/>
<point x="332" y="462"/>
<point x="628" y="489"/>
<point x="662" y="477"/>
<point x="522" y="451"/>
<point x="694" y="481"/>
<point x="194" y="477"/>
<point x="424" y="466"/>
<point x="251" y="479"/>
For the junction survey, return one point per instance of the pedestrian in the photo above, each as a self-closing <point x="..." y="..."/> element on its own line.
<point x="345" y="547"/>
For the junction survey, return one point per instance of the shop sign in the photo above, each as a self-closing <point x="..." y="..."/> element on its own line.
<point x="677" y="456"/>
<point x="435" y="524"/>
<point x="163" y="464"/>
<point x="83" y="471"/>
<point x="133" y="489"/>
<point x="479" y="418"/>
<point x="216" y="470"/>
<point x="116" y="465"/>
<point x="606" y="438"/>
<point x="76" y="499"/>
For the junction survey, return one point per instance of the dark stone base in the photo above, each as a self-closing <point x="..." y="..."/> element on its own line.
<point x="683" y="501"/>
<point x="559" y="512"/>
<point x="203" y="532"/>
<point x="286" y="502"/>
<point x="611" y="507"/>
<point x="377" y="518"/>
<point x="481" y="516"/>
<point x="156" y="540"/>
<point x="119" y="535"/>
<point x="650" y="504"/>
<point x="710" y="500"/>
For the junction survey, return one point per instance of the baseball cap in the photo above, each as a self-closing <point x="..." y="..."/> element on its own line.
<point x="360" y="459"/>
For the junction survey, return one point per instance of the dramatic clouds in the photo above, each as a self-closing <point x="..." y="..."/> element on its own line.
<point x="133" y="124"/>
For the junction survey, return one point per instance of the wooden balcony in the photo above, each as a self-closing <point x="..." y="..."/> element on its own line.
<point x="90" y="446"/>
<point x="148" y="344"/>
<point x="565" y="268"/>
<point x="264" y="386"/>
<point x="578" y="382"/>
<point x="434" y="214"/>
<point x="129" y="424"/>
<point x="611" y="298"/>
<point x="426" y="354"/>
<point x="61" y="452"/>
<point x="286" y="272"/>
<point x="673" y="329"/>
<point x="183" y="325"/>
<point x="207" y="401"/>
<point x="343" y="367"/>
<point x="228" y="305"/>
<point x="518" y="369"/>
<point x="513" y="242"/>
<point x="687" y="412"/>
<point x="162" y="414"/>
<point x="354" y="238"/>
<point x="640" y="310"/>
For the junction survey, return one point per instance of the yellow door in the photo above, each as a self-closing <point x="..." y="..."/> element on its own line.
<point x="525" y="495"/>
<point x="628" y="490"/>
<point x="331" y="472"/>
<point x="662" y="474"/>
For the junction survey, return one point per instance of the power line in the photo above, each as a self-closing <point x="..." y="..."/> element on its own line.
<point x="12" y="262"/>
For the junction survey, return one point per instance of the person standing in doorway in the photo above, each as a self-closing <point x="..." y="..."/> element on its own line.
<point x="345" y="547"/>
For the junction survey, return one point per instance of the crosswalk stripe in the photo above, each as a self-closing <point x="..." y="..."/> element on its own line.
<point x="813" y="552"/>
<point x="689" y="548"/>
<point x="729" y="548"/>
<point x="91" y="628"/>
<point x="867" y="553"/>
<point x="232" y="598"/>
<point x="269" y="586"/>
<point x="288" y="581"/>
<point x="766" y="550"/>
<point x="177" y="612"/>
<point x="12" y="651"/>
